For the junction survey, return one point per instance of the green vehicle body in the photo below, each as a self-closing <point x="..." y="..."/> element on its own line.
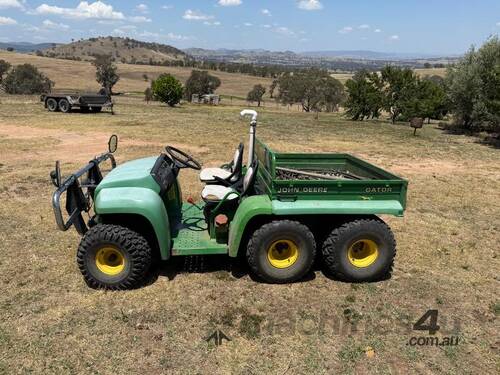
<point x="130" y="189"/>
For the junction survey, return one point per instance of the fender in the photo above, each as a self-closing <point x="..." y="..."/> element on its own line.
<point x="248" y="209"/>
<point x="139" y="201"/>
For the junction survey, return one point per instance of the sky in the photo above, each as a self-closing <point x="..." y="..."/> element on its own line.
<point x="442" y="27"/>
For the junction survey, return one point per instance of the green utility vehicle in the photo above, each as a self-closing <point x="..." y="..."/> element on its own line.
<point x="280" y="210"/>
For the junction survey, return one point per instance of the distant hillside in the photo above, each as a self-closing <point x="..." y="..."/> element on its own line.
<point x="123" y="50"/>
<point x="24" y="47"/>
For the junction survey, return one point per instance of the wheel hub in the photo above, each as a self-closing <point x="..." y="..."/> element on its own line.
<point x="362" y="253"/>
<point x="110" y="261"/>
<point x="282" y="253"/>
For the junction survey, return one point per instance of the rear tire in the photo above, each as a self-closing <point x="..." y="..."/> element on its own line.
<point x="360" y="250"/>
<point x="113" y="257"/>
<point x="64" y="106"/>
<point x="51" y="104"/>
<point x="281" y="251"/>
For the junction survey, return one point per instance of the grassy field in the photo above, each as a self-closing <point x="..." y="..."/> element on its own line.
<point x="52" y="323"/>
<point x="80" y="75"/>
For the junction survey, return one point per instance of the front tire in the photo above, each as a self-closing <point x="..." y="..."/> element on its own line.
<point x="113" y="257"/>
<point x="64" y="106"/>
<point x="281" y="251"/>
<point x="360" y="250"/>
<point x="51" y="104"/>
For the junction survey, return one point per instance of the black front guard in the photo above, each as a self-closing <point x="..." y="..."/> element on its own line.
<point x="76" y="200"/>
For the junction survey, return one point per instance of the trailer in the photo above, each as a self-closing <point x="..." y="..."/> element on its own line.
<point x="86" y="102"/>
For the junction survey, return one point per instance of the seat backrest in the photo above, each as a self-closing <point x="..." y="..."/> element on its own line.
<point x="250" y="176"/>
<point x="237" y="159"/>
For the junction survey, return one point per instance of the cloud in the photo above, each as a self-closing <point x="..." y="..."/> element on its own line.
<point x="6" y="21"/>
<point x="229" y="3"/>
<point x="84" y="10"/>
<point x="167" y="7"/>
<point x="310" y="5"/>
<point x="215" y="23"/>
<point x="394" y="37"/>
<point x="4" y="4"/>
<point x="498" y="24"/>
<point x="248" y="24"/>
<point x="266" y="12"/>
<point x="139" y="19"/>
<point x="266" y="26"/>
<point x="377" y="31"/>
<point x="143" y="8"/>
<point x="345" y="30"/>
<point x="364" y="26"/>
<point x="283" y="30"/>
<point x="48" y="24"/>
<point x="194" y="15"/>
<point x="172" y="36"/>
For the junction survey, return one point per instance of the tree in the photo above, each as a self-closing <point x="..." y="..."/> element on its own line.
<point x="148" y="95"/>
<point x="145" y="77"/>
<point x="314" y="89"/>
<point x="167" y="89"/>
<point x="399" y="85"/>
<point x="256" y="94"/>
<point x="26" y="79"/>
<point x="364" y="96"/>
<point x="473" y="87"/>
<point x="4" y="68"/>
<point x="427" y="100"/>
<point x="272" y="87"/>
<point x="106" y="72"/>
<point x="200" y="83"/>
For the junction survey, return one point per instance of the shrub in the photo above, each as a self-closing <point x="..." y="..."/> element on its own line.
<point x="200" y="83"/>
<point x="256" y="94"/>
<point x="167" y="89"/>
<point x="26" y="79"/>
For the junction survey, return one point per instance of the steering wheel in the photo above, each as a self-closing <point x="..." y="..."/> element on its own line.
<point x="181" y="159"/>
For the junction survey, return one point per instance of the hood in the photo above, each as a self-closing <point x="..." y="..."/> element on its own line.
<point x="135" y="173"/>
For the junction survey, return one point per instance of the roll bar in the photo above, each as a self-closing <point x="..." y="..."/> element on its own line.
<point x="253" y="127"/>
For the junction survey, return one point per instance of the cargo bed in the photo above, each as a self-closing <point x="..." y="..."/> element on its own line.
<point x="325" y="177"/>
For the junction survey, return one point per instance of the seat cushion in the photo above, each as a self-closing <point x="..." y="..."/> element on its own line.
<point x="208" y="174"/>
<point x="217" y="193"/>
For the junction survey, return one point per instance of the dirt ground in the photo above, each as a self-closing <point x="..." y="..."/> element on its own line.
<point x="52" y="323"/>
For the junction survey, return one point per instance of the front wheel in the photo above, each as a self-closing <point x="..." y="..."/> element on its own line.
<point x="360" y="250"/>
<point x="51" y="104"/>
<point x="113" y="257"/>
<point x="281" y="251"/>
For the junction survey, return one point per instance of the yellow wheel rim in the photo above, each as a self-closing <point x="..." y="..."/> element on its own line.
<point x="362" y="253"/>
<point x="110" y="261"/>
<point x="282" y="253"/>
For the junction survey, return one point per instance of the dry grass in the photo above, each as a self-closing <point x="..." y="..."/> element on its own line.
<point x="80" y="75"/>
<point x="447" y="256"/>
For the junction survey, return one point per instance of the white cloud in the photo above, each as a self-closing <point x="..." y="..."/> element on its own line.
<point x="283" y="30"/>
<point x="229" y="3"/>
<point x="4" y="4"/>
<point x="194" y="15"/>
<point x="215" y="23"/>
<point x="266" y="26"/>
<point x="167" y="7"/>
<point x="48" y="24"/>
<point x="310" y="5"/>
<point x="172" y="36"/>
<point x="377" y="31"/>
<point x="345" y="30"/>
<point x="248" y="24"/>
<point x="5" y="21"/>
<point x="364" y="26"/>
<point x="139" y="19"/>
<point x="498" y="24"/>
<point x="84" y="10"/>
<point x="266" y="12"/>
<point x="394" y="37"/>
<point x="143" y="8"/>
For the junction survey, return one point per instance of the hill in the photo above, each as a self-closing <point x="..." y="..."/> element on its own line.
<point x="26" y="46"/>
<point x="123" y="50"/>
<point x="80" y="75"/>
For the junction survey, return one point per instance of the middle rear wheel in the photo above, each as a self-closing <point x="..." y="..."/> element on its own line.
<point x="281" y="251"/>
